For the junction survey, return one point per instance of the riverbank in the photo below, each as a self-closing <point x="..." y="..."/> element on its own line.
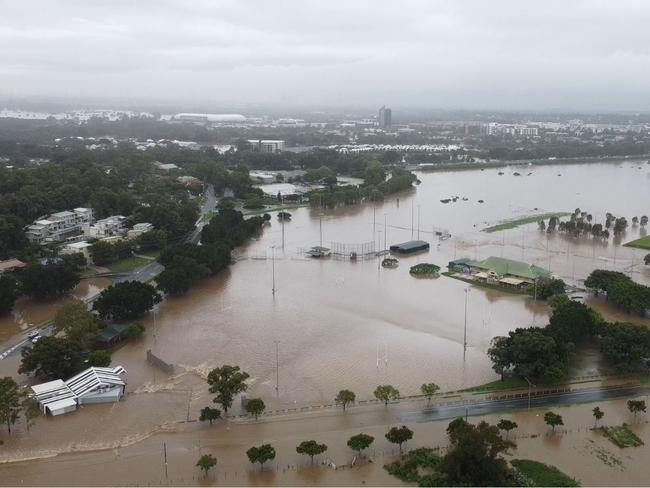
<point x="529" y="219"/>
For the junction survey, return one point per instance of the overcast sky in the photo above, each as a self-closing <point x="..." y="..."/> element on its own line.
<point x="565" y="54"/>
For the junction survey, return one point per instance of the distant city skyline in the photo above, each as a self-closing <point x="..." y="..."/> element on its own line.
<point x="563" y="56"/>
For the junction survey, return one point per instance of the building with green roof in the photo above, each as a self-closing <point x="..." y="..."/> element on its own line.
<point x="504" y="270"/>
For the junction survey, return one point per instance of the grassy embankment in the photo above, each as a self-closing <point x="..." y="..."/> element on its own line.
<point x="540" y="474"/>
<point x="621" y="436"/>
<point x="642" y="243"/>
<point x="498" y="385"/>
<point x="530" y="219"/>
<point x="129" y="264"/>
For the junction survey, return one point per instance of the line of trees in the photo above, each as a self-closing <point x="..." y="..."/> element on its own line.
<point x="620" y="290"/>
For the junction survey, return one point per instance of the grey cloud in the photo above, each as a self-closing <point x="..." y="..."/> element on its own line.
<point x="589" y="54"/>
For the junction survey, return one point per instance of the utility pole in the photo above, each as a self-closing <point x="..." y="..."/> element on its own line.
<point x="385" y="232"/>
<point x="529" y="387"/>
<point x="165" y="454"/>
<point x="412" y="213"/>
<point x="273" y="268"/>
<point x="465" y="326"/>
<point x="378" y="254"/>
<point x="418" y="222"/>
<point x="282" y="220"/>
<point x="277" y="368"/>
<point x="320" y="227"/>
<point x="374" y="220"/>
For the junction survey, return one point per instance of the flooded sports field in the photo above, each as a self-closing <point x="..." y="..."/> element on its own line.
<point x="334" y="323"/>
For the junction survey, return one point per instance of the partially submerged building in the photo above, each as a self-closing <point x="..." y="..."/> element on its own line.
<point x="409" y="247"/>
<point x="94" y="385"/>
<point x="500" y="270"/>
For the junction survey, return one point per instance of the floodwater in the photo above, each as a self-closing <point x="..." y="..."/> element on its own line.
<point x="338" y="324"/>
<point x="27" y="313"/>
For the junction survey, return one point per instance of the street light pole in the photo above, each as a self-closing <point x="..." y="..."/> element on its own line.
<point x="529" y="387"/>
<point x="273" y="268"/>
<point x="385" y="232"/>
<point x="465" y="326"/>
<point x="277" y="367"/>
<point x="418" y="222"/>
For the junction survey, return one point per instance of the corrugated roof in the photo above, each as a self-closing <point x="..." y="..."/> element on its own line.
<point x="503" y="266"/>
<point x="410" y="245"/>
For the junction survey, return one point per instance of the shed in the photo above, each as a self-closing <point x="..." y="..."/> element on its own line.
<point x="409" y="247"/>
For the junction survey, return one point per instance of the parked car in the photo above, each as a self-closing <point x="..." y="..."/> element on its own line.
<point x="35" y="339"/>
<point x="33" y="334"/>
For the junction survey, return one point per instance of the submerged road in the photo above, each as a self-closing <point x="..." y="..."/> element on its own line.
<point x="143" y="274"/>
<point x="486" y="406"/>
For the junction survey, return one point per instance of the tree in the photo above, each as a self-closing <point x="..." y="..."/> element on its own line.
<point x="206" y="463"/>
<point x="255" y="406"/>
<point x="547" y="287"/>
<point x="385" y="393"/>
<point x="45" y="282"/>
<point x="52" y="358"/>
<point x="345" y="397"/>
<point x="126" y="300"/>
<point x="399" y="435"/>
<point x="553" y="419"/>
<point x="360" y="442"/>
<point x="152" y="241"/>
<point x="507" y="425"/>
<point x="646" y="259"/>
<point x="625" y="345"/>
<point x="210" y="414"/>
<point x="99" y="359"/>
<point x="102" y="253"/>
<point x="31" y="410"/>
<point x="598" y="414"/>
<point x="227" y="382"/>
<point x="133" y="332"/>
<point x="311" y="449"/>
<point x="428" y="390"/>
<point x="261" y="454"/>
<point x="9" y="401"/>
<point x="77" y="323"/>
<point x="644" y="220"/>
<point x="9" y="292"/>
<point x="475" y="457"/>
<point x="636" y="406"/>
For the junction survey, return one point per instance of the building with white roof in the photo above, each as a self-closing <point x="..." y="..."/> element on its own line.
<point x="60" y="225"/>
<point x="139" y="229"/>
<point x="81" y="247"/>
<point x="110" y="226"/>
<point x="94" y="385"/>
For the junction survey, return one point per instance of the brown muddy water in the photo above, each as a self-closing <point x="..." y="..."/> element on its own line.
<point x="27" y="313"/>
<point x="340" y="324"/>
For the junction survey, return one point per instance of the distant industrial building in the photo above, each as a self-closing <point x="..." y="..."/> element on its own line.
<point x="216" y="118"/>
<point x="59" y="226"/>
<point x="261" y="177"/>
<point x="496" y="129"/>
<point x="384" y="117"/>
<point x="94" y="385"/>
<point x="266" y="145"/>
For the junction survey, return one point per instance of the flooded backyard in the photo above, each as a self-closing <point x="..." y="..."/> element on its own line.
<point x="353" y="324"/>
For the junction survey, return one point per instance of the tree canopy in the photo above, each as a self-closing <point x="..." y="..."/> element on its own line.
<point x="227" y="381"/>
<point x="126" y="300"/>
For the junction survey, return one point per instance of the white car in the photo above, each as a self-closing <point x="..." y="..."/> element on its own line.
<point x="36" y="338"/>
<point x="33" y="334"/>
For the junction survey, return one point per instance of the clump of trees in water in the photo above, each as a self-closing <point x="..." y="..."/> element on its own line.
<point x="374" y="189"/>
<point x="580" y="223"/>
<point x="186" y="264"/>
<point x="620" y="290"/>
<point x="425" y="270"/>
<point x="543" y="353"/>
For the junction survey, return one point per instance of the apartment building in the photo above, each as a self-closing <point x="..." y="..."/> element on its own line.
<point x="59" y="226"/>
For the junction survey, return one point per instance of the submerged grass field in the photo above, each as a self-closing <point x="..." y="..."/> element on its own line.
<point x="621" y="436"/>
<point x="642" y="243"/>
<point x="531" y="219"/>
<point x="540" y="474"/>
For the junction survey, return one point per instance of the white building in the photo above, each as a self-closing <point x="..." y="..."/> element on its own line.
<point x="110" y="226"/>
<point x="59" y="226"/>
<point x="81" y="247"/>
<point x="139" y="229"/>
<point x="267" y="145"/>
<point x="165" y="167"/>
<point x="94" y="385"/>
<point x="261" y="177"/>
<point x="216" y="118"/>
